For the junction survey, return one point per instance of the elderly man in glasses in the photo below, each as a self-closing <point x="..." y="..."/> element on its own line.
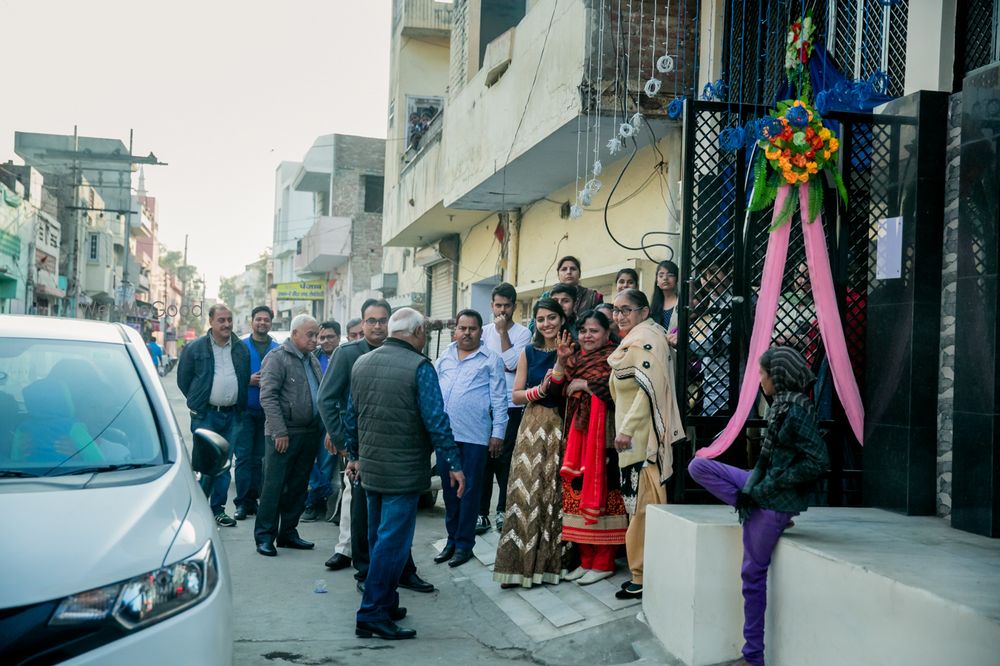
<point x="353" y="544"/>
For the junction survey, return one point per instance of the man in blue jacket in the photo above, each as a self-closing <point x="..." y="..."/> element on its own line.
<point x="250" y="457"/>
<point x="214" y="374"/>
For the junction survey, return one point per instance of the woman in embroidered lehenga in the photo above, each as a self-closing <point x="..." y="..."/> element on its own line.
<point x="647" y="420"/>
<point x="593" y="510"/>
<point x="530" y="551"/>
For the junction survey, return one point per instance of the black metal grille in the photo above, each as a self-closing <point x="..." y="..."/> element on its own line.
<point x="980" y="38"/>
<point x="871" y="36"/>
<point x="723" y="259"/>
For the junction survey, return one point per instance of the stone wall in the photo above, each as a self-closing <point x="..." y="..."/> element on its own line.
<point x="949" y="275"/>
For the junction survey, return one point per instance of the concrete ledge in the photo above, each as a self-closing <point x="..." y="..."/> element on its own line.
<point x="847" y="586"/>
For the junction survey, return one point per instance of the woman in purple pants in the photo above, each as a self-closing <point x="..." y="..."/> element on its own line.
<point x="793" y="456"/>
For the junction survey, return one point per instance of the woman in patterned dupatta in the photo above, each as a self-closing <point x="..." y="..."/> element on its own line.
<point x="530" y="551"/>
<point x="593" y="510"/>
<point x="647" y="420"/>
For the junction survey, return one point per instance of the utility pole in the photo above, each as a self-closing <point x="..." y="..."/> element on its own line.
<point x="128" y="227"/>
<point x="29" y="281"/>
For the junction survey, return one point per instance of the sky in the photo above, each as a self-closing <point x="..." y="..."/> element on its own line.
<point x="221" y="90"/>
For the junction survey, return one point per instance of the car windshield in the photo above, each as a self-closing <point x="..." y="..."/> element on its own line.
<point x="72" y="407"/>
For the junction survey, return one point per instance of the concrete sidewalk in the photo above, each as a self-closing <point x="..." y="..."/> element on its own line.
<point x="280" y="619"/>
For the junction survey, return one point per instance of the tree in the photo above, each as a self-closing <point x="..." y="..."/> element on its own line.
<point x="228" y="288"/>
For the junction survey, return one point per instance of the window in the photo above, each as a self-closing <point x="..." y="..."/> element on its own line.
<point x="496" y="18"/>
<point x="94" y="252"/>
<point x="420" y="111"/>
<point x="374" y="188"/>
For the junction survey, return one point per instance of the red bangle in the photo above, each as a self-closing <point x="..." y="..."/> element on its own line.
<point x="557" y="380"/>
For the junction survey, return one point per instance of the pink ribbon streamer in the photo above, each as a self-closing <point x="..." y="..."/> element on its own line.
<point x="763" y="327"/>
<point x="827" y="313"/>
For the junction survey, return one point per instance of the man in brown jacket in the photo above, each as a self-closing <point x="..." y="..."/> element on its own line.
<point x="289" y="383"/>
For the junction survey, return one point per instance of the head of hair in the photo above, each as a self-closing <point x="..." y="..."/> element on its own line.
<point x="635" y="297"/>
<point x="215" y="308"/>
<point x="300" y="320"/>
<point x="331" y="324"/>
<point x="551" y="306"/>
<point x="788" y="369"/>
<point x="376" y="302"/>
<point x="568" y="257"/>
<point x="598" y="316"/>
<point x="656" y="307"/>
<point x="261" y="308"/>
<point x="631" y="272"/>
<point x="354" y="322"/>
<point x="469" y="312"/>
<point x="504" y="290"/>
<point x="406" y="321"/>
<point x="568" y="289"/>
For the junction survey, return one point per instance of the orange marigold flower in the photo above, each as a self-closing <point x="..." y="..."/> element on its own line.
<point x="799" y="160"/>
<point x="810" y="132"/>
<point x="771" y="153"/>
<point x="812" y="167"/>
<point x="826" y="154"/>
<point x="834" y="145"/>
<point x="803" y="177"/>
<point x="790" y="177"/>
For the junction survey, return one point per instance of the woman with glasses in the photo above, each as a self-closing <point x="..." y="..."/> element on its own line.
<point x="663" y="309"/>
<point x="647" y="420"/>
<point x="593" y="511"/>
<point x="529" y="551"/>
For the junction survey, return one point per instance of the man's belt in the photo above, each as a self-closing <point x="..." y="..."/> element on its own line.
<point x="222" y="408"/>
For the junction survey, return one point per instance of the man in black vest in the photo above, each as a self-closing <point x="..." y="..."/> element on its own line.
<point x="395" y="417"/>
<point x="333" y="395"/>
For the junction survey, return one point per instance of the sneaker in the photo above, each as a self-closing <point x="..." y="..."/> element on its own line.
<point x="310" y="515"/>
<point x="222" y="519"/>
<point x="498" y="521"/>
<point x="482" y="525"/>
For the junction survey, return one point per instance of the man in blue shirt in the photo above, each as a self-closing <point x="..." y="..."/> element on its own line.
<point x="250" y="450"/>
<point x="475" y="398"/>
<point x="157" y="353"/>
<point x="394" y="418"/>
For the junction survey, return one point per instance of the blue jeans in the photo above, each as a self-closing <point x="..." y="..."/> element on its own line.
<point x="392" y="519"/>
<point x="461" y="513"/>
<point x="232" y="426"/>
<point x="321" y="477"/>
<point x="250" y="462"/>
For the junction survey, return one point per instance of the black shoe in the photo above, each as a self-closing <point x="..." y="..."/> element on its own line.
<point x="338" y="562"/>
<point x="415" y="583"/>
<point x="630" y="591"/>
<point x="296" y="542"/>
<point x="361" y="586"/>
<point x="251" y="509"/>
<point x="310" y="515"/>
<point x="398" y="614"/>
<point x="445" y="554"/>
<point x="461" y="557"/>
<point x="267" y="549"/>
<point x="387" y="629"/>
<point x="240" y="513"/>
<point x="482" y="524"/>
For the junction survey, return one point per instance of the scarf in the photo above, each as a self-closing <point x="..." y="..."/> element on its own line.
<point x="594" y="369"/>
<point x="645" y="356"/>
<point x="792" y="380"/>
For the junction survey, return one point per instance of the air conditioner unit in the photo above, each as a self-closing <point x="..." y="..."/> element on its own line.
<point x="445" y="249"/>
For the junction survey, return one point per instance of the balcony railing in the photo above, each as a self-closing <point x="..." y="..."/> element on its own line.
<point x="325" y="246"/>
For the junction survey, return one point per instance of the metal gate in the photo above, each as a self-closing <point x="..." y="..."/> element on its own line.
<point x="721" y="264"/>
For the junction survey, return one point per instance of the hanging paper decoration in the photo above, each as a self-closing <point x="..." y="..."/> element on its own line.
<point x="584" y="197"/>
<point x="796" y="146"/>
<point x="636" y="120"/>
<point x="665" y="64"/>
<point x="626" y="130"/>
<point x="614" y="145"/>
<point x="675" y="108"/>
<point x="652" y="87"/>
<point x="715" y="90"/>
<point x="575" y="212"/>
<point x="593" y="186"/>
<point x="732" y="139"/>
<point x="597" y="168"/>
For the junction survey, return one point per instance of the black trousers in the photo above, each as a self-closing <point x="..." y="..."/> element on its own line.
<point x="499" y="468"/>
<point x="286" y="482"/>
<point x="360" y="551"/>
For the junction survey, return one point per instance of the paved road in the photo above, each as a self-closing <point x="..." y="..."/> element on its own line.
<point x="280" y="619"/>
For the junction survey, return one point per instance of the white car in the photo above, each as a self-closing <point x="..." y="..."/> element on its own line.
<point x="111" y="554"/>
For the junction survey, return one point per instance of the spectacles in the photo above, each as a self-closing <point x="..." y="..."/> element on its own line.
<point x="627" y="311"/>
<point x="381" y="321"/>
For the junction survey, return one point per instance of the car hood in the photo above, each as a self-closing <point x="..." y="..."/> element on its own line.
<point x="64" y="540"/>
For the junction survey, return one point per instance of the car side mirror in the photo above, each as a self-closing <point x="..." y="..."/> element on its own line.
<point x="210" y="453"/>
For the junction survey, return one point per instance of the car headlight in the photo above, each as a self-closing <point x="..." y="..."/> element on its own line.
<point x="147" y="598"/>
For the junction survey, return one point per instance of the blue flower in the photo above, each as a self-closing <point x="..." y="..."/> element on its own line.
<point x="798" y="116"/>
<point x="768" y="127"/>
<point x="879" y="82"/>
<point x="675" y="108"/>
<point x="823" y="102"/>
<point x="732" y="138"/>
<point x="706" y="92"/>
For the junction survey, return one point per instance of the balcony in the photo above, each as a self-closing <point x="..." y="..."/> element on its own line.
<point x="422" y="18"/>
<point x="317" y="166"/>
<point x="325" y="246"/>
<point x="514" y="127"/>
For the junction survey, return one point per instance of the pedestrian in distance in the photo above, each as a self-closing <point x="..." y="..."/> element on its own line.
<point x="508" y="339"/>
<point x="395" y="418"/>
<point x="289" y="387"/>
<point x="250" y="456"/>
<point x="793" y="456"/>
<point x="156" y="353"/>
<point x="472" y="383"/>
<point x="214" y="374"/>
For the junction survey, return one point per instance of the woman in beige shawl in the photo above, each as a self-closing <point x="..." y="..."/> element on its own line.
<point x="647" y="420"/>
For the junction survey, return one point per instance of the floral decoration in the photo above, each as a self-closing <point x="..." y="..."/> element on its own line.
<point x="798" y="49"/>
<point x="795" y="146"/>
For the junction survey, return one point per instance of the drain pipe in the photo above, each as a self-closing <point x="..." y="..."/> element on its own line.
<point x="513" y="244"/>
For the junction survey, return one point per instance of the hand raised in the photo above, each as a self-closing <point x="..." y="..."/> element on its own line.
<point x="564" y="346"/>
